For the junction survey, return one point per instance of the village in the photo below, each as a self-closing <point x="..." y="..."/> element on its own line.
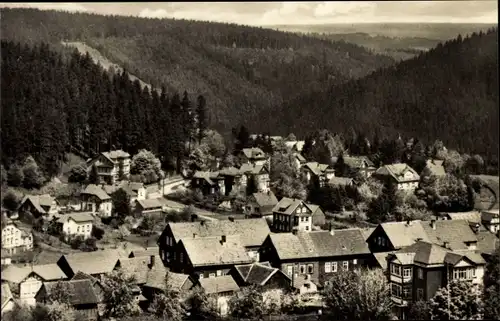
<point x="227" y="229"/>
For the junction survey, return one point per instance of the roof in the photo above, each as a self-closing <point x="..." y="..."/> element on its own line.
<point x="402" y="234"/>
<point x="25" y="229"/>
<point x="357" y="161"/>
<point x="367" y="232"/>
<point x="254" y="153"/>
<point x="491" y="183"/>
<point x="230" y="171"/>
<point x="316" y="168"/>
<point x="381" y="258"/>
<point x="252" y="169"/>
<point x="138" y="267"/>
<point x="97" y="262"/>
<point x="205" y="251"/>
<point x="489" y="215"/>
<point x="97" y="191"/>
<point x="342" y="181"/>
<point x="472" y="216"/>
<point x="48" y="272"/>
<point x="487" y="242"/>
<point x="40" y="200"/>
<point x="114" y="154"/>
<point x="220" y="284"/>
<point x="82" y="276"/>
<point x="252" y="232"/>
<point x="207" y="176"/>
<point x="256" y="273"/>
<point x="397" y="171"/>
<point x="300" y="158"/>
<point x="297" y="145"/>
<point x="455" y="232"/>
<point x="6" y="294"/>
<point x="434" y="167"/>
<point x="79" y="217"/>
<point x="289" y="205"/>
<point x="319" y="244"/>
<point x="157" y="276"/>
<point x="78" y="291"/>
<point x="150" y="203"/>
<point x="149" y="251"/>
<point x="265" y="199"/>
<point x="431" y="254"/>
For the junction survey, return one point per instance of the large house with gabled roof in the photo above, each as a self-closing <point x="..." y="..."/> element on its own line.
<point x="260" y="204"/>
<point x="259" y="173"/>
<point x="401" y="175"/>
<point x="95" y="263"/>
<point x="96" y="200"/>
<point x="252" y="233"/>
<point x="253" y="156"/>
<point x="76" y="224"/>
<point x="111" y="167"/>
<point x="39" y="206"/>
<point x="294" y="213"/>
<point x="317" y="174"/>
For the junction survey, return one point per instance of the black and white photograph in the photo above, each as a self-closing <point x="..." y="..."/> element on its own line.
<point x="272" y="161"/>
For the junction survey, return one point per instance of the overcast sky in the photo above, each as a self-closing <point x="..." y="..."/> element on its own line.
<point x="273" y="13"/>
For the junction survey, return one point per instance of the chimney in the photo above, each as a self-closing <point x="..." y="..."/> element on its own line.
<point x="202" y="222"/>
<point x="445" y="245"/>
<point x="231" y="218"/>
<point x="418" y="239"/>
<point x="408" y="222"/>
<point x="222" y="239"/>
<point x="332" y="230"/>
<point x="433" y="224"/>
<point x="194" y="235"/>
<point x="152" y="261"/>
<point x="194" y="217"/>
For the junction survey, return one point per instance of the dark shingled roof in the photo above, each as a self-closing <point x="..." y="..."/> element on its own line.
<point x="254" y="153"/>
<point x="398" y="172"/>
<point x="256" y="273"/>
<point x="319" y="244"/>
<point x="97" y="191"/>
<point x="266" y="201"/>
<point x="487" y="242"/>
<point x="79" y="291"/>
<point x="219" y="284"/>
<point x="157" y="276"/>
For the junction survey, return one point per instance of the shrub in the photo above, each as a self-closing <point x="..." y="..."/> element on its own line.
<point x="33" y="177"/>
<point x="15" y="175"/>
<point x="76" y="242"/>
<point x="89" y="245"/>
<point x="97" y="232"/>
<point x="10" y="201"/>
<point x="78" y="174"/>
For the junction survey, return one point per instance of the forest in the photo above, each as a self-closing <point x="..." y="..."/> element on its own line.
<point x="52" y="101"/>
<point x="449" y="93"/>
<point x="241" y="70"/>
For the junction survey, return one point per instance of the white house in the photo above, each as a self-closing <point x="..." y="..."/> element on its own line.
<point x="39" y="205"/>
<point x="96" y="200"/>
<point x="402" y="175"/>
<point x="16" y="238"/>
<point x="78" y="223"/>
<point x="491" y="220"/>
<point x="111" y="166"/>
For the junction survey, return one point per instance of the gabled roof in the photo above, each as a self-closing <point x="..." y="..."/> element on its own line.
<point x="288" y="206"/>
<point x="6" y="294"/>
<point x="219" y="284"/>
<point x="209" y="177"/>
<point x="158" y="275"/>
<point x="48" y="272"/>
<point x="402" y="234"/>
<point x="25" y="229"/>
<point x="319" y="244"/>
<point x="79" y="291"/>
<point x="252" y="232"/>
<point x="367" y="232"/>
<point x="455" y="232"/>
<point x="252" y="169"/>
<point x="138" y="267"/>
<point x="472" y="216"/>
<point x="114" y="154"/>
<point x="434" y="167"/>
<point x="341" y="181"/>
<point x="97" y="191"/>
<point x="254" y="153"/>
<point x="489" y="215"/>
<point x="487" y="242"/>
<point x="205" y="251"/>
<point x="79" y="217"/>
<point x="82" y="276"/>
<point x="147" y="252"/>
<point x="150" y="203"/>
<point x="40" y="200"/>
<point x="265" y="199"/>
<point x="256" y="273"/>
<point x="98" y="262"/>
<point x="230" y="171"/>
<point x="397" y="171"/>
<point x="316" y="168"/>
<point x="357" y="161"/>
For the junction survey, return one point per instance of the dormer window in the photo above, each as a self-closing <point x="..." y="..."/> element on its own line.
<point x="395" y="269"/>
<point x="407" y="272"/>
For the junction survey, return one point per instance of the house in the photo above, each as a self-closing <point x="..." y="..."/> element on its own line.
<point x="303" y="284"/>
<point x="295" y="145"/>
<point x="317" y="174"/>
<point x="299" y="160"/>
<point x="223" y="287"/>
<point x="208" y="182"/>
<point x="16" y="238"/>
<point x="96" y="200"/>
<point x="39" y="206"/>
<point x="172" y="184"/>
<point x="148" y="206"/>
<point x="359" y="164"/>
<point x="293" y="213"/>
<point x="487" y="196"/>
<point x="416" y="272"/>
<point x="316" y="255"/>
<point x="202" y="257"/>
<point x="403" y="176"/>
<point x="487" y="243"/>
<point x="97" y="285"/>
<point x="341" y="182"/>
<point x="254" y="156"/>
<point x="471" y="216"/>
<point x="252" y="233"/>
<point x="134" y="190"/>
<point x="491" y="220"/>
<point x="392" y="236"/>
<point x="261" y="274"/>
<point x="233" y="179"/>
<point x="111" y="167"/>
<point x="94" y="264"/>
<point x="26" y="281"/>
<point x="138" y="267"/>
<point x="81" y="294"/>
<point x="260" y="204"/>
<point x="159" y="277"/>
<point x="8" y="302"/>
<point x="260" y="175"/>
<point x="433" y="167"/>
<point x="76" y="224"/>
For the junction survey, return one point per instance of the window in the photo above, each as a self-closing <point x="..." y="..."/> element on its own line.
<point x="406" y="293"/>
<point x="420" y="294"/>
<point x="289" y="270"/>
<point x="201" y="276"/>
<point x="219" y="272"/>
<point x="78" y="229"/>
<point x="302" y="269"/>
<point x="395" y="269"/>
<point x="307" y="228"/>
<point x="407" y="272"/>
<point x="345" y="265"/>
<point x="310" y="268"/>
<point x="211" y="275"/>
<point x="334" y="266"/>
<point x="420" y="273"/>
<point x="328" y="267"/>
<point x="304" y="210"/>
<point x="396" y="290"/>
<point x="355" y="261"/>
<point x="181" y="257"/>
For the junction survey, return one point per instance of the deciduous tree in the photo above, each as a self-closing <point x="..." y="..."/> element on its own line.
<point x="458" y="301"/>
<point x="119" y="299"/>
<point x="247" y="304"/>
<point x="78" y="174"/>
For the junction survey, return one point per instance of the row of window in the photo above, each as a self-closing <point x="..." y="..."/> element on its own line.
<point x="396" y="269"/>
<point x="332" y="266"/>
<point x="81" y="229"/>
<point x="381" y="241"/>
<point x="464" y="273"/>
<point x="213" y="274"/>
<point x="405" y="293"/>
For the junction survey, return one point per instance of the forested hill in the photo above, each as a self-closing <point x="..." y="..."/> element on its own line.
<point x="449" y="93"/>
<point x="241" y="70"/>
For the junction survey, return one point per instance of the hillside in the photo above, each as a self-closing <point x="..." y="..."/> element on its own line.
<point x="449" y="93"/>
<point x="240" y="70"/>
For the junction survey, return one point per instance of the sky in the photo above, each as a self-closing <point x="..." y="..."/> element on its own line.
<point x="292" y="13"/>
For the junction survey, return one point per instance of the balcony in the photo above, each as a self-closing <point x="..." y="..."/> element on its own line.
<point x="399" y="301"/>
